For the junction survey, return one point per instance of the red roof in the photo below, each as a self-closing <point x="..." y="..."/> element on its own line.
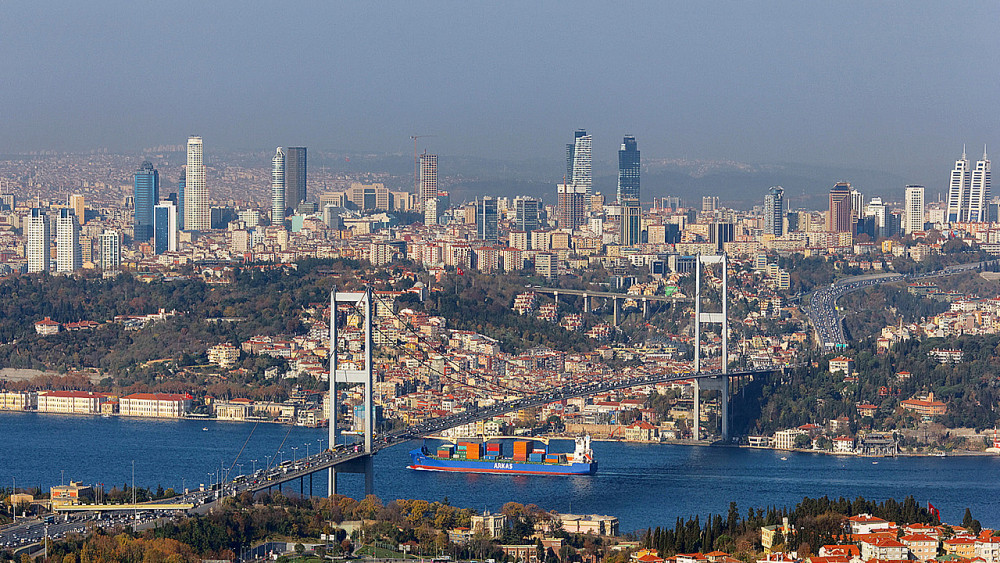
<point x="46" y="322"/>
<point x="159" y="396"/>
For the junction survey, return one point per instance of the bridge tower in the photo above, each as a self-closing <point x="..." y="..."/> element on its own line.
<point x="362" y="302"/>
<point x="721" y="382"/>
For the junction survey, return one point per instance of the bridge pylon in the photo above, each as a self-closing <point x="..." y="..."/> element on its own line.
<point x="721" y="383"/>
<point x="361" y="301"/>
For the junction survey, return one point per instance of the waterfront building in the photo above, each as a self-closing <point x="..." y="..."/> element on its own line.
<point x="278" y="187"/>
<point x="146" y="192"/>
<point x="487" y="219"/>
<point x="71" y="402"/>
<point x="111" y="251"/>
<point x="18" y="400"/>
<point x="165" y="227"/>
<point x="838" y="217"/>
<point x="197" y="216"/>
<point x="773" y="210"/>
<point x="428" y="179"/>
<point x="68" y="255"/>
<point x="629" y="170"/>
<point x="155" y="405"/>
<point x="295" y="176"/>
<point x="913" y="211"/>
<point x="37" y="238"/>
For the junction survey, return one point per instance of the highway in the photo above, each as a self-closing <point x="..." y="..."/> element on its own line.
<point x="822" y="310"/>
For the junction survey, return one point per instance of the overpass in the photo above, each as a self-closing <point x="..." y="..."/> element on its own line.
<point x="616" y="298"/>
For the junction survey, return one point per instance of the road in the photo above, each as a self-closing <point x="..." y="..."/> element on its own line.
<point x="822" y="310"/>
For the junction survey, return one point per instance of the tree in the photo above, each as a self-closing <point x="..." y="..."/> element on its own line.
<point x="967" y="519"/>
<point x="300" y="549"/>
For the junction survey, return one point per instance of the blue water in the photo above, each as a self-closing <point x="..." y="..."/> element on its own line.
<point x="643" y="485"/>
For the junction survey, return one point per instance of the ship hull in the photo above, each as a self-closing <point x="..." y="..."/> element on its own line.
<point x="423" y="462"/>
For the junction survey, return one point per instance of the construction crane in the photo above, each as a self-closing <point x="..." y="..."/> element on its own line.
<point x="416" y="163"/>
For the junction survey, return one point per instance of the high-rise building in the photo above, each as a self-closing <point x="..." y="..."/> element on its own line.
<point x="526" y="214"/>
<point x="181" y="182"/>
<point x="628" y="170"/>
<point x="76" y="201"/>
<point x="631" y="222"/>
<point x="709" y="203"/>
<point x="37" y="235"/>
<point x="165" y="227"/>
<point x="111" y="251"/>
<point x="68" y="255"/>
<point x="295" y="176"/>
<point x="582" y="175"/>
<point x="774" y="203"/>
<point x="979" y="190"/>
<point x="857" y="204"/>
<point x="278" y="188"/>
<point x="913" y="209"/>
<point x="487" y="219"/>
<point x="876" y="211"/>
<point x="569" y="205"/>
<point x="147" y="195"/>
<point x="838" y="217"/>
<point x="958" y="190"/>
<point x="428" y="177"/>
<point x="197" y="216"/>
<point x="431" y="211"/>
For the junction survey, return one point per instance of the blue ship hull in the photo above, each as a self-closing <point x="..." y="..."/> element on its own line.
<point x="423" y="462"/>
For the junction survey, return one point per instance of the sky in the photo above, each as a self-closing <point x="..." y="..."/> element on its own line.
<point x="890" y="86"/>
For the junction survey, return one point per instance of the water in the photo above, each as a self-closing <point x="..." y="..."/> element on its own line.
<point x="643" y="485"/>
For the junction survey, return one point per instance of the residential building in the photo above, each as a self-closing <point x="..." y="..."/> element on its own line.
<point x="111" y="251"/>
<point x="979" y="191"/>
<point x="988" y="549"/>
<point x="913" y="211"/>
<point x="958" y="190"/>
<point x="883" y="548"/>
<point x="629" y="170"/>
<point x="278" y="187"/>
<point x="47" y="327"/>
<point x="68" y="254"/>
<point x="79" y="206"/>
<point x="861" y="524"/>
<point x="922" y="546"/>
<point x="224" y="355"/>
<point x="842" y="364"/>
<point x="146" y="192"/>
<point x="490" y="525"/>
<point x="641" y="431"/>
<point x="37" y="236"/>
<point x="197" y="216"/>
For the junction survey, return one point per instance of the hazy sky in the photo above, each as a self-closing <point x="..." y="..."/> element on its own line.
<point x="889" y="86"/>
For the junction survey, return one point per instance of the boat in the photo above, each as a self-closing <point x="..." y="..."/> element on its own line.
<point x="105" y="415"/>
<point x="204" y="429"/>
<point x="487" y="457"/>
<point x="783" y="458"/>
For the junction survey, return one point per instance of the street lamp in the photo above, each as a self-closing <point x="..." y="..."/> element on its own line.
<point x="294" y="449"/>
<point x="240" y="465"/>
<point x="307" y="449"/>
<point x="254" y="461"/>
<point x="268" y="466"/>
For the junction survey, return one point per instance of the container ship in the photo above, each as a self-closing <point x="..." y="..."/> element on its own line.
<point x="527" y="458"/>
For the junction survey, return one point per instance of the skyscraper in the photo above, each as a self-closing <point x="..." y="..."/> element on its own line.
<point x="111" y="251"/>
<point x="631" y="222"/>
<point x="979" y="190"/>
<point x="37" y="238"/>
<point x="628" y="170"/>
<point x="958" y="190"/>
<point x="181" y="182"/>
<point x="295" y="176"/>
<point x="526" y="214"/>
<point x="278" y="188"/>
<point x="581" y="153"/>
<point x="487" y="219"/>
<point x="857" y="204"/>
<point x="913" y="209"/>
<point x="428" y="178"/>
<point x="569" y="205"/>
<point x="774" y="203"/>
<point x="838" y="218"/>
<point x="165" y="227"/>
<point x="197" y="216"/>
<point x="68" y="254"/>
<point x="147" y="194"/>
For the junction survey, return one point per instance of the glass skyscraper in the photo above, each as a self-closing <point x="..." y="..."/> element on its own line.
<point x="147" y="195"/>
<point x="164" y="227"/>
<point x="197" y="216"/>
<point x="295" y="177"/>
<point x="181" y="182"/>
<point x="628" y="170"/>
<point x="278" y="188"/>
<point x="487" y="219"/>
<point x="774" y="203"/>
